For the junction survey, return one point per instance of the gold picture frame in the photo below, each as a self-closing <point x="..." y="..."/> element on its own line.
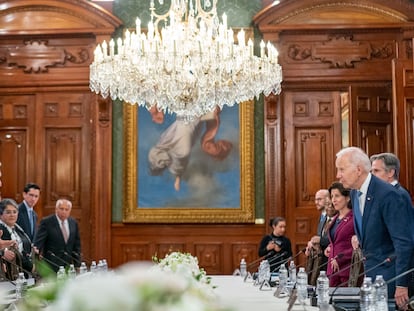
<point x="132" y="213"/>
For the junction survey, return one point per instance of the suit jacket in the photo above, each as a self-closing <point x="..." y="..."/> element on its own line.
<point x="340" y="243"/>
<point x="24" y="222"/>
<point x="27" y="264"/>
<point x="51" y="244"/>
<point x="385" y="223"/>
<point x="406" y="196"/>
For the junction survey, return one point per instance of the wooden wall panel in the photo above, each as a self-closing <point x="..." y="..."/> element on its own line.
<point x="17" y="143"/>
<point x="64" y="140"/>
<point x="63" y="149"/>
<point x="13" y="144"/>
<point x="219" y="248"/>
<point x="312" y="134"/>
<point x="403" y="105"/>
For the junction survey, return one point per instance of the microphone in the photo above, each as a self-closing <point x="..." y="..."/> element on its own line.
<point x="386" y="260"/>
<point x="399" y="275"/>
<point x="60" y="259"/>
<point x="298" y="253"/>
<point x="254" y="262"/>
<point x="75" y="260"/>
<point x="49" y="261"/>
<point x="271" y="260"/>
<point x="282" y="262"/>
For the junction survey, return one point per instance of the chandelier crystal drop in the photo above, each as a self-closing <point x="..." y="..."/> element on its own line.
<point x="188" y="67"/>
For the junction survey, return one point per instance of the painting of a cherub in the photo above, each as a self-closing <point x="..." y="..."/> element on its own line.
<point x="188" y="164"/>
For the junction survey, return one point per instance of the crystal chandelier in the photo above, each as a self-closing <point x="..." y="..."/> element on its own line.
<point x="188" y="67"/>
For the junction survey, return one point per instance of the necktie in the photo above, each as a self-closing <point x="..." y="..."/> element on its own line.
<point x="64" y="231"/>
<point x="326" y="225"/>
<point x="357" y="212"/>
<point x="31" y="221"/>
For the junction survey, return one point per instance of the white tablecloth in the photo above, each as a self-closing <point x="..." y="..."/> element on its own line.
<point x="244" y="296"/>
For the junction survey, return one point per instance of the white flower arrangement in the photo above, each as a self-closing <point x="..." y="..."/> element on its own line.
<point x="174" y="283"/>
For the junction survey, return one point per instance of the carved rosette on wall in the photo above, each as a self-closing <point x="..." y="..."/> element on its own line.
<point x="35" y="56"/>
<point x="340" y="51"/>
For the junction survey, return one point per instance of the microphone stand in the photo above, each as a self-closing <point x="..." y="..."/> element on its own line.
<point x="60" y="259"/>
<point x="75" y="260"/>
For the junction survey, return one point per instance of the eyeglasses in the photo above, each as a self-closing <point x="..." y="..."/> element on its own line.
<point x="10" y="212"/>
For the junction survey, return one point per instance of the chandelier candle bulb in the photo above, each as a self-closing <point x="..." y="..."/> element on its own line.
<point x="250" y="45"/>
<point x="262" y="49"/>
<point x="137" y="26"/>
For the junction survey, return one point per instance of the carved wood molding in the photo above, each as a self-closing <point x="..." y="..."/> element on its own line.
<point x="340" y="51"/>
<point x="36" y="56"/>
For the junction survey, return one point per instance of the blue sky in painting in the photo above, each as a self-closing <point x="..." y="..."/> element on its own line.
<point x="206" y="182"/>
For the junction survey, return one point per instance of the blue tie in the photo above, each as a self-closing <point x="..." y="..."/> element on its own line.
<point x="31" y="221"/>
<point x="357" y="212"/>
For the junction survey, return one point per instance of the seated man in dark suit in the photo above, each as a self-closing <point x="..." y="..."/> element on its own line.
<point x="58" y="239"/>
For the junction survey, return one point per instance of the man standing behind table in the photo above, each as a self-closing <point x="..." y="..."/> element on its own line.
<point x="27" y="218"/>
<point x="316" y="259"/>
<point x="57" y="239"/>
<point x="381" y="219"/>
<point x="386" y="166"/>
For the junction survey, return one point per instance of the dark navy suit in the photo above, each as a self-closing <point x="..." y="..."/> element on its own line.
<point x="385" y="224"/>
<point x="406" y="196"/>
<point x="23" y="220"/>
<point x="49" y="240"/>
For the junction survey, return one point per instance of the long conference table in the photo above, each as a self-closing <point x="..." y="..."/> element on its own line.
<point x="234" y="292"/>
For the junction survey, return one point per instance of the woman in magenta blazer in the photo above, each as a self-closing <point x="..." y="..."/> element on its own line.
<point x="341" y="230"/>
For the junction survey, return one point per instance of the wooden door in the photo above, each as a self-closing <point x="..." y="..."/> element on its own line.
<point x="312" y="130"/>
<point x="370" y="118"/>
<point x="403" y="92"/>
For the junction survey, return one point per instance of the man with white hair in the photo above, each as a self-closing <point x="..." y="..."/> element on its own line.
<point x="381" y="219"/>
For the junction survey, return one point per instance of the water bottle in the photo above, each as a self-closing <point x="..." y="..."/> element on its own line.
<point x="264" y="271"/>
<point x="292" y="272"/>
<point x="322" y="290"/>
<point x="283" y="276"/>
<point x="83" y="269"/>
<point x="72" y="271"/>
<point x="366" y="302"/>
<point x="61" y="274"/>
<point x="105" y="265"/>
<point x="100" y="266"/>
<point x="20" y="285"/>
<point x="302" y="285"/>
<point x="243" y="268"/>
<point x="93" y="267"/>
<point x="381" y="294"/>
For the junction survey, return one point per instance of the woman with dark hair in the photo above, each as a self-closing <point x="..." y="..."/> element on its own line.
<point x="276" y="246"/>
<point x="341" y="230"/>
<point x="16" y="258"/>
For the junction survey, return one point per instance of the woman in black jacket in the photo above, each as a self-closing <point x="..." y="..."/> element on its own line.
<point x="276" y="247"/>
<point x="15" y="258"/>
